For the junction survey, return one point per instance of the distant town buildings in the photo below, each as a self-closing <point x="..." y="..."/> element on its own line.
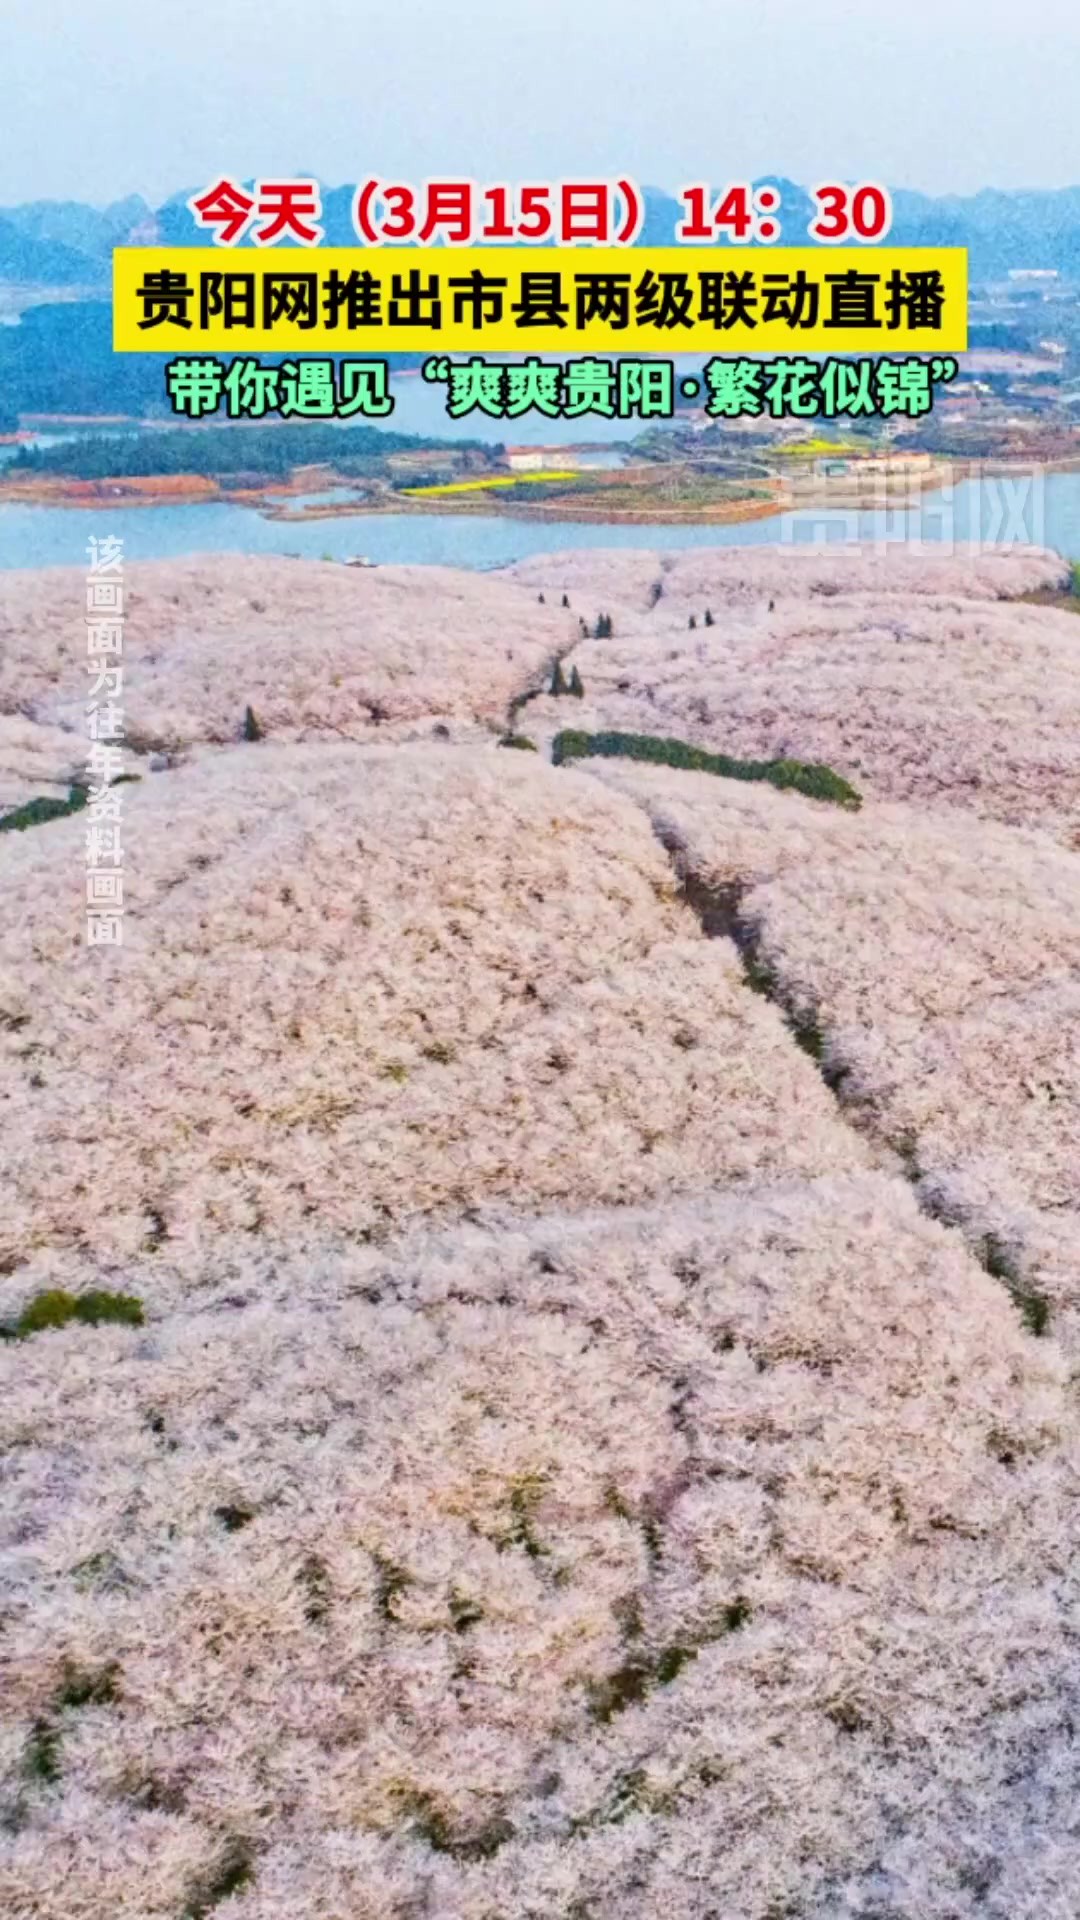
<point x="539" y="459"/>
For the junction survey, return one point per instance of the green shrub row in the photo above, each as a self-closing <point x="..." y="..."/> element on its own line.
<point x="35" y="812"/>
<point x="819" y="783"/>
<point x="55" y="1308"/>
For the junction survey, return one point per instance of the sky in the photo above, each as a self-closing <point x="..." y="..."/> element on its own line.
<point x="103" y="98"/>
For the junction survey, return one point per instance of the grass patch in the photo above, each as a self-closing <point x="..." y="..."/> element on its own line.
<point x="735" y="1615"/>
<point x="671" y="1663"/>
<point x="629" y="1684"/>
<point x="315" y="1581"/>
<point x="796" y="776"/>
<point x="55" y="1308"/>
<point x="85" y="1688"/>
<point x="525" y="1497"/>
<point x="632" y="1682"/>
<point x="41" y="1761"/>
<point x="390" y="1581"/>
<point x="627" y="1796"/>
<point x="803" y="1027"/>
<point x="230" y="1872"/>
<point x="434" y="1827"/>
<point x="234" y="1519"/>
<point x="99" y="1570"/>
<point x="80" y="1687"/>
<point x="633" y="1792"/>
<point x="464" y="1613"/>
<point x="1033" y="1307"/>
<point x="1066" y="598"/>
<point x="98" y="1307"/>
<point x="626" y="1687"/>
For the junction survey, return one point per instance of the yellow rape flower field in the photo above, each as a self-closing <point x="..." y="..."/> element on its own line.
<point x="495" y="480"/>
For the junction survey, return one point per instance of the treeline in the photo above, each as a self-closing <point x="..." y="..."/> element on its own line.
<point x="60" y="359"/>
<point x="229" y="451"/>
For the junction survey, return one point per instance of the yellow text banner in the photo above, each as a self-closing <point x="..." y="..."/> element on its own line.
<point x="660" y="300"/>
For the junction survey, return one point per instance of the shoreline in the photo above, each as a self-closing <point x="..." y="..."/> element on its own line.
<point x="272" y="501"/>
<point x="195" y="490"/>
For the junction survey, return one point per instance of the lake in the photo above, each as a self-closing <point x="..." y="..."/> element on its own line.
<point x="1043" y="509"/>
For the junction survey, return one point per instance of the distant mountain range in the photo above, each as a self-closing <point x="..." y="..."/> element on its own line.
<point x="61" y="243"/>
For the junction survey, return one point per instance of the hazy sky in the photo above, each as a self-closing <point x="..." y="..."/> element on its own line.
<point x="106" y="97"/>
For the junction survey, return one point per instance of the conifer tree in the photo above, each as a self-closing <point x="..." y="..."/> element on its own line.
<point x="558" y="683"/>
<point x="693" y="623"/>
<point x="566" y="600"/>
<point x="708" y="618"/>
<point x="576" y="686"/>
<point x="252" y="729"/>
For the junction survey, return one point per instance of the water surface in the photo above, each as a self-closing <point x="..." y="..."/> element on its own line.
<point x="1043" y="510"/>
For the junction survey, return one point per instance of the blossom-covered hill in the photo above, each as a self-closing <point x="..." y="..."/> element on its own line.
<point x="914" y="677"/>
<point x="542" y="1301"/>
<point x="316" y="649"/>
